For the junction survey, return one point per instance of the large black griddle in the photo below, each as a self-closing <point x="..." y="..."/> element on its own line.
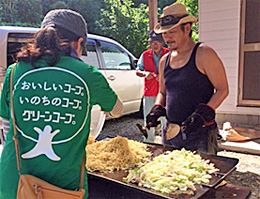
<point x="114" y="185"/>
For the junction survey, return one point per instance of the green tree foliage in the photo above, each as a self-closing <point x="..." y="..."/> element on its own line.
<point x="27" y="12"/>
<point x="45" y="6"/>
<point x="160" y="3"/>
<point x="126" y="21"/>
<point x="8" y="12"/>
<point x="20" y="13"/>
<point x="59" y="5"/>
<point x="90" y="10"/>
<point x="128" y="25"/>
<point x="191" y="6"/>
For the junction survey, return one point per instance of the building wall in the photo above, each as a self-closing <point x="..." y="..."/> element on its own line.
<point x="219" y="27"/>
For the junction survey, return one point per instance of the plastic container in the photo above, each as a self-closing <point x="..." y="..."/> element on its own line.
<point x="98" y="118"/>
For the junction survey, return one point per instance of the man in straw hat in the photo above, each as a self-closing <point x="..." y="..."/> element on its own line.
<point x="193" y="84"/>
<point x="147" y="67"/>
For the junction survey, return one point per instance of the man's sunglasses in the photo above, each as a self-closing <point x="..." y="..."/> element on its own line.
<point x="170" y="20"/>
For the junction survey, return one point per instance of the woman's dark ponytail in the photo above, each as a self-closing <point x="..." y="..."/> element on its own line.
<point x="47" y="42"/>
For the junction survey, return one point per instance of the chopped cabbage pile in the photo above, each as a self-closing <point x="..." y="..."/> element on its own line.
<point x="174" y="171"/>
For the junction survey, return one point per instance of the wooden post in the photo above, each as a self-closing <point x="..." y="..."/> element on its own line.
<point x="152" y="4"/>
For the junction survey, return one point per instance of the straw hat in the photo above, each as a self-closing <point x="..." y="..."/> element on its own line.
<point x="173" y="16"/>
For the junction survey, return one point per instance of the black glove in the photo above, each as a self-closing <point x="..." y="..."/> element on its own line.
<point x="203" y="115"/>
<point x="152" y="118"/>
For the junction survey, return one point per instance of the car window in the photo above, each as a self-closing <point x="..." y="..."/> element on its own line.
<point x="14" y="43"/>
<point x="115" y="58"/>
<point x="91" y="58"/>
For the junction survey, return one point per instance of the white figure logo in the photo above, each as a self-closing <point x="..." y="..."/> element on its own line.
<point x="44" y="144"/>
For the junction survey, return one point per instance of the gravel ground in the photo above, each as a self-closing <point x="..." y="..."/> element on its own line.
<point x="247" y="172"/>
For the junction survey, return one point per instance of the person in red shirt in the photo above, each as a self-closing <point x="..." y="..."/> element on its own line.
<point x="147" y="67"/>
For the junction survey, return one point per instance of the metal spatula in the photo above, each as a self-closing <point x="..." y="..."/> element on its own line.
<point x="143" y="130"/>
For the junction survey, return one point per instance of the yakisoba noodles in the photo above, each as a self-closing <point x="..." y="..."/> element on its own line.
<point x="116" y="154"/>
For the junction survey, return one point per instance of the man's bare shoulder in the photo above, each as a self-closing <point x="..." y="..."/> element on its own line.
<point x="207" y="58"/>
<point x="205" y="51"/>
<point x="164" y="57"/>
<point x="163" y="60"/>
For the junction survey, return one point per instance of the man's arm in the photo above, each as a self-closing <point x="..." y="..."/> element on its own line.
<point x="146" y="74"/>
<point x="211" y="65"/>
<point x="208" y="63"/>
<point x="160" y="99"/>
<point x="117" y="110"/>
<point x="140" y="67"/>
<point x="140" y="71"/>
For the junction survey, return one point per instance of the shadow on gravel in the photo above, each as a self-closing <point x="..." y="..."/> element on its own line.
<point x="247" y="179"/>
<point x="124" y="127"/>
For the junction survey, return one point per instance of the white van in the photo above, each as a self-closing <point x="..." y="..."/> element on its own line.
<point x="115" y="62"/>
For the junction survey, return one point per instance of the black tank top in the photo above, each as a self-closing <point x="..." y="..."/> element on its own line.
<point x="186" y="87"/>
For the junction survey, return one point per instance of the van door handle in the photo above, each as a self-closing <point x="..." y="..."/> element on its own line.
<point x="111" y="77"/>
